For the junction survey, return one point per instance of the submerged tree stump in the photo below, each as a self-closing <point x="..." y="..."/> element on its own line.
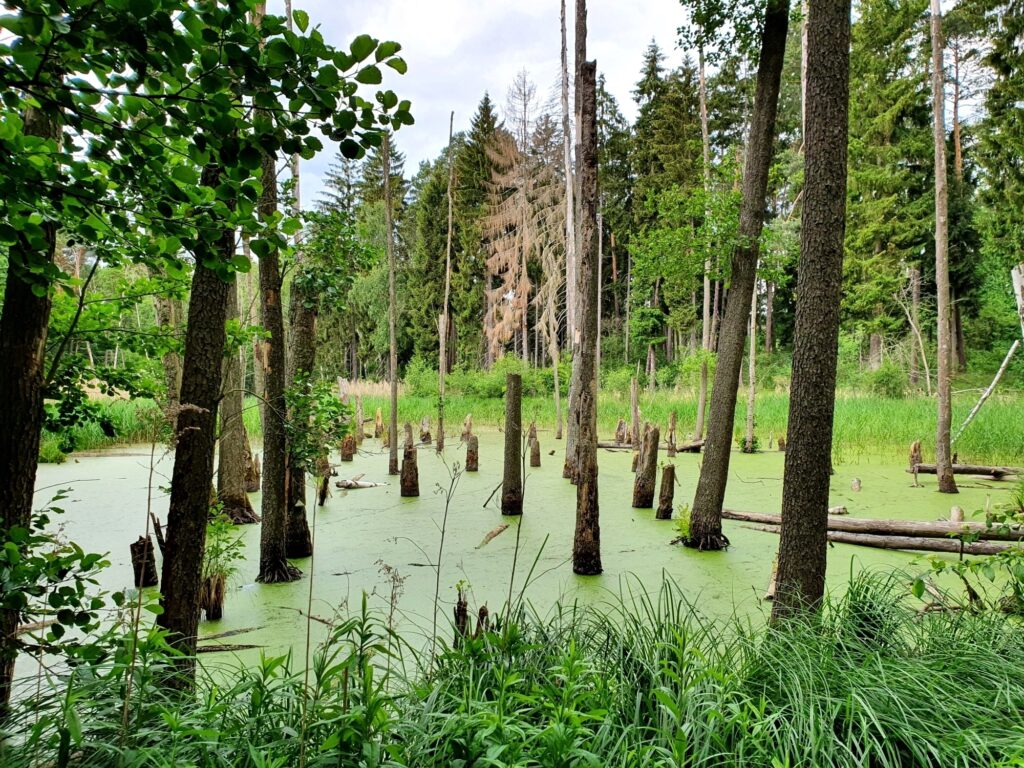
<point x="211" y="596"/>
<point x="636" y="460"/>
<point x="535" y="452"/>
<point x="467" y="426"/>
<point x="348" y="447"/>
<point x="297" y="541"/>
<point x="378" y="424"/>
<point x="252" y="472"/>
<point x="512" y="485"/>
<point x="668" y="490"/>
<point x="425" y="430"/>
<point x="473" y="454"/>
<point x="461" y="615"/>
<point x="359" y="420"/>
<point x="409" y="479"/>
<point x="620" y="431"/>
<point x="646" y="472"/>
<point x="144" y="562"/>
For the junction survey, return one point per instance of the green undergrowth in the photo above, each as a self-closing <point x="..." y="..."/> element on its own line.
<point x="865" y="425"/>
<point x="641" y="682"/>
<point x="115" y="422"/>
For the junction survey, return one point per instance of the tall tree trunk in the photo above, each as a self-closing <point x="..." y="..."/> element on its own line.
<point x="512" y="484"/>
<point x="274" y="566"/>
<point x="958" y="150"/>
<point x="706" y="517"/>
<point x="192" y="476"/>
<point x="961" y="342"/>
<point x="570" y="206"/>
<point x="769" y="311"/>
<point x="166" y="321"/>
<point x="302" y="312"/>
<point x="748" y="440"/>
<point x="389" y="238"/>
<point x="874" y="351"/>
<point x="442" y="326"/>
<point x="586" y="551"/>
<point x="600" y="287"/>
<point x="24" y="321"/>
<point x="705" y="331"/>
<point x="915" y="321"/>
<point x="233" y="458"/>
<point x="800" y="580"/>
<point x="943" y="460"/>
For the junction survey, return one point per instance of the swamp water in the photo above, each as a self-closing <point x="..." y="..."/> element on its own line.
<point x="373" y="541"/>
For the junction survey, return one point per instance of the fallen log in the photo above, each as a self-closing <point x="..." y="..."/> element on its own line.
<point x="357" y="482"/>
<point x="969" y="469"/>
<point x="937" y="529"/>
<point x="914" y="543"/>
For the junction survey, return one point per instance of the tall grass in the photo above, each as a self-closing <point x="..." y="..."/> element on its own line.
<point x="642" y="682"/>
<point x="132" y="422"/>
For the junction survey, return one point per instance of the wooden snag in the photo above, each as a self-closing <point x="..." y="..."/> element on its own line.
<point x="473" y="454"/>
<point x="668" y="489"/>
<point x="298" y="543"/>
<point x="211" y="596"/>
<point x="647" y="470"/>
<point x="461" y="615"/>
<point x="410" y="478"/>
<point x="512" y="484"/>
<point x="467" y="426"/>
<point x="359" y="420"/>
<point x="348" y="447"/>
<point x="253" y="474"/>
<point x="535" y="452"/>
<point x="671" y="438"/>
<point x="144" y="562"/>
<point x="425" y="430"/>
<point x="620" y="431"/>
<point x="634" y="409"/>
<point x="378" y="424"/>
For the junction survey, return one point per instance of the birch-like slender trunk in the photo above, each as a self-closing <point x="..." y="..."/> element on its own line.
<point x="389" y="239"/>
<point x="442" y="325"/>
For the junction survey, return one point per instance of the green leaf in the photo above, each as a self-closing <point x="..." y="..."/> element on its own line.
<point x="369" y="75"/>
<point x="386" y="49"/>
<point x="918" y="587"/>
<point x="301" y="19"/>
<point x="250" y="157"/>
<point x="185" y="174"/>
<point x="362" y="47"/>
<point x="398" y="64"/>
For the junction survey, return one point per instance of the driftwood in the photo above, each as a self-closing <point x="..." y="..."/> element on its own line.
<point x="936" y="529"/>
<point x="221" y="647"/>
<point x="491" y="534"/>
<point x="997" y="473"/>
<point x="357" y="482"/>
<point x="916" y="543"/>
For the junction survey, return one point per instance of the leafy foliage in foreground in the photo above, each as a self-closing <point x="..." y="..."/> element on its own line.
<point x="645" y="683"/>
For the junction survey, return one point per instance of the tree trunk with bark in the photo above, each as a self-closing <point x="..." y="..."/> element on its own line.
<point x="389" y="239"/>
<point x="24" y="321"/>
<point x="192" y="476"/>
<point x="802" y="550"/>
<point x="472" y="453"/>
<point x="667" y="494"/>
<point x="586" y="553"/>
<point x="167" y="322"/>
<point x="443" y="320"/>
<point x="943" y="459"/>
<point x="706" y="517"/>
<point x="233" y="463"/>
<point x="749" y="439"/>
<point x="647" y="471"/>
<point x="512" y="485"/>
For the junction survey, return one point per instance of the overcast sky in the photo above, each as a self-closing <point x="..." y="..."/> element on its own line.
<point x="458" y="49"/>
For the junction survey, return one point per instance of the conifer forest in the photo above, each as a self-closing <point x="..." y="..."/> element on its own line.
<point x="663" y="408"/>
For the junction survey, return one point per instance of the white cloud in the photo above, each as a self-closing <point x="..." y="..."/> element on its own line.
<point x="458" y="49"/>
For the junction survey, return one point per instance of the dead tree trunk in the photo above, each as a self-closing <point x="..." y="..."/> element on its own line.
<point x="442" y="325"/>
<point x="634" y="412"/>
<point x="512" y="485"/>
<point x="348" y="448"/>
<point x="425" y="436"/>
<point x="410" y="477"/>
<point x="144" y="562"/>
<point x="472" y="453"/>
<point x="392" y="308"/>
<point x="671" y="438"/>
<point x="749" y="440"/>
<point x="378" y="425"/>
<point x="668" y="489"/>
<point x="647" y="471"/>
<point x="706" y="517"/>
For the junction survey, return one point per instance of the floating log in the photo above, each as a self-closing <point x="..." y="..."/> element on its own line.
<point x="914" y="543"/>
<point x="997" y="473"/>
<point x="647" y="470"/>
<point x="693" y="446"/>
<point x="144" y="562"/>
<point x="410" y="477"/>
<point x="668" y="489"/>
<point x="473" y="454"/>
<point x="220" y="648"/>
<point x="357" y="482"/>
<point x="491" y="534"/>
<point x="936" y="529"/>
<point x="378" y="424"/>
<point x="348" y="447"/>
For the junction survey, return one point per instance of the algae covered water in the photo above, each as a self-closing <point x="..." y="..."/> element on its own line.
<point x="374" y="542"/>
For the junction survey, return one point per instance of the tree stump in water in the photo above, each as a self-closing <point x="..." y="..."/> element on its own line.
<point x="620" y="431"/>
<point x="378" y="424"/>
<point x="348" y="447"/>
<point x="668" y="489"/>
<point x="239" y="510"/>
<point x="782" y="444"/>
<point x="461" y="614"/>
<point x="324" y="490"/>
<point x="211" y="596"/>
<point x="512" y="485"/>
<point x="467" y="426"/>
<point x="408" y="436"/>
<point x="425" y="430"/>
<point x="385" y="440"/>
<point x="535" y="452"/>
<point x="646" y="472"/>
<point x="252" y="474"/>
<point x="410" y="477"/>
<point x="636" y="460"/>
<point x="359" y="420"/>
<point x="144" y="562"/>
<point x="297" y="541"/>
<point x="642" y="445"/>
<point x="473" y="454"/>
<point x="671" y="437"/>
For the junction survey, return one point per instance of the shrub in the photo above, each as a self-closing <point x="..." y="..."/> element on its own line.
<point x="888" y="381"/>
<point x="420" y="378"/>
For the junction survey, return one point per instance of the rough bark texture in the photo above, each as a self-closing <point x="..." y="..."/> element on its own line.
<point x="234" y="462"/>
<point x="671" y="436"/>
<point x="647" y="471"/>
<point x="143" y="562"/>
<point x="298" y="542"/>
<point x="472" y="453"/>
<point x="409" y="480"/>
<point x="512" y="484"/>
<point x="302" y="313"/>
<point x="274" y="566"/>
<point x="534" y="452"/>
<point x="348" y="448"/>
<point x="586" y="552"/>
<point x="23" y="327"/>
<point x="167" y="322"/>
<point x="668" y="490"/>
<point x="749" y="439"/>
<point x="636" y="437"/>
<point x="706" y="517"/>
<point x="802" y="549"/>
<point x="389" y="237"/>
<point x="192" y="476"/>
